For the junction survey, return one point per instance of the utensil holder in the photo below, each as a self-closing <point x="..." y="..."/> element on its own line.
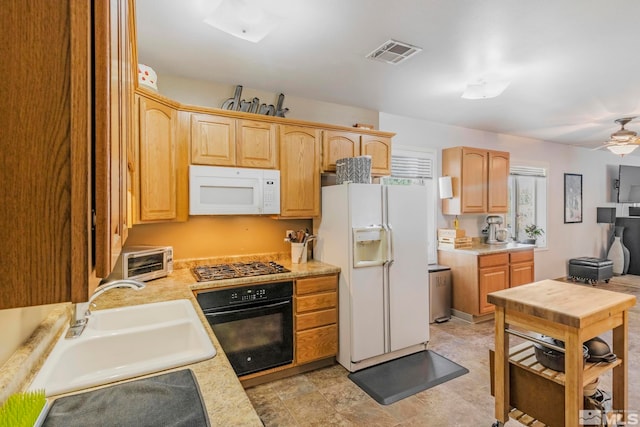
<point x="299" y="253"/>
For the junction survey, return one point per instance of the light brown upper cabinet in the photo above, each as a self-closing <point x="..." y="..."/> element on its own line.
<point x="213" y="140"/>
<point x="226" y="141"/>
<point x="299" y="171"/>
<point x="161" y="167"/>
<point x="479" y="179"/>
<point x="498" y="182"/>
<point x="338" y="145"/>
<point x="379" y="148"/>
<point x="256" y="144"/>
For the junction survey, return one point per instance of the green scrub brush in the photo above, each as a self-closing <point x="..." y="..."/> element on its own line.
<point x="22" y="409"/>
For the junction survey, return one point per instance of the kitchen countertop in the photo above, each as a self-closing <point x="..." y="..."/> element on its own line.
<point x="483" y="248"/>
<point x="227" y="403"/>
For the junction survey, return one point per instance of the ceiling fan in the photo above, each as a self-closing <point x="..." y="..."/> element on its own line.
<point x="623" y="141"/>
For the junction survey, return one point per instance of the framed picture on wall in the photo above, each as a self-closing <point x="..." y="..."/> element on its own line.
<point x="572" y="198"/>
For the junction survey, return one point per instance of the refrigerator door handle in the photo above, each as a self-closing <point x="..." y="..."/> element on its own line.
<point x="386" y="310"/>
<point x="390" y="242"/>
<point x="387" y="227"/>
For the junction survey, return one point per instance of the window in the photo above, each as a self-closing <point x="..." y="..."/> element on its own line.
<point x="527" y="202"/>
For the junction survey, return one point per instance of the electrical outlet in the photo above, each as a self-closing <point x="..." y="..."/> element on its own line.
<point x="288" y="233"/>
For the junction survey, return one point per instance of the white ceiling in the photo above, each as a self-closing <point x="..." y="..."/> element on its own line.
<point x="574" y="65"/>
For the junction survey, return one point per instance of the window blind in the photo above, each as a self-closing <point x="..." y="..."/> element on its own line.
<point x="411" y="167"/>
<point x="527" y="171"/>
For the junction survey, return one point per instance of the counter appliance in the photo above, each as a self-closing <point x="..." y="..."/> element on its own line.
<point x="217" y="190"/>
<point x="253" y="323"/>
<point x="142" y="263"/>
<point x="495" y="234"/>
<point x="377" y="235"/>
<point x="204" y="273"/>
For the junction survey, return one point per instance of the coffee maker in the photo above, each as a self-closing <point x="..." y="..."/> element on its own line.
<point x="493" y="223"/>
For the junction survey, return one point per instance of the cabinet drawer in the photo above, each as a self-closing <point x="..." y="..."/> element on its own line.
<point x="316" y="344"/>
<point x="520" y="256"/>
<point x="493" y="260"/>
<point x="316" y="302"/>
<point x="316" y="319"/>
<point x="316" y="284"/>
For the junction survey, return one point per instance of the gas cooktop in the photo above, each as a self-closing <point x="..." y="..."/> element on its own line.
<point x="237" y="269"/>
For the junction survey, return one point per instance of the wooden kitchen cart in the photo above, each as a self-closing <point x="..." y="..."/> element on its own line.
<point x="568" y="312"/>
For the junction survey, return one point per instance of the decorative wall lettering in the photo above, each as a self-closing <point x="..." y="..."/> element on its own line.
<point x="254" y="106"/>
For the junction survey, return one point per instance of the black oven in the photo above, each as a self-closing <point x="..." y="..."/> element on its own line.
<point x="254" y="324"/>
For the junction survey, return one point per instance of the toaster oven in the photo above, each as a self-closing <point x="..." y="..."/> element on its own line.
<point x="144" y="262"/>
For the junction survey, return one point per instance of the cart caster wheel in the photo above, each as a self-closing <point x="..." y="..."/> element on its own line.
<point x="606" y="281"/>
<point x="497" y="424"/>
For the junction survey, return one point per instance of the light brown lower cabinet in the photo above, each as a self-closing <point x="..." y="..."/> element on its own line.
<point x="521" y="268"/>
<point x="315" y="330"/>
<point x="316" y="317"/>
<point x="493" y="275"/>
<point x="474" y="276"/>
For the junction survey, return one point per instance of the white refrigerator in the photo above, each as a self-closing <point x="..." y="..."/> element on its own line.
<point x="377" y="235"/>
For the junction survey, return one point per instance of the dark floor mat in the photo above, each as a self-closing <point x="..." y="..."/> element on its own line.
<point x="394" y="380"/>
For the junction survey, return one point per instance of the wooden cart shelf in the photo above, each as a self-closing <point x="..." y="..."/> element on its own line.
<point x="523" y="355"/>
<point x="573" y="314"/>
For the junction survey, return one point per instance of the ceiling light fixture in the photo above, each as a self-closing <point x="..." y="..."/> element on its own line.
<point x="484" y="89"/>
<point x="243" y="19"/>
<point x="623" y="135"/>
<point x="621" y="149"/>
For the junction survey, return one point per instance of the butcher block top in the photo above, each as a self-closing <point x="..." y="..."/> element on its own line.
<point x="565" y="303"/>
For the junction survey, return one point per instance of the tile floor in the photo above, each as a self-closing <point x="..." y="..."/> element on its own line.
<point x="326" y="397"/>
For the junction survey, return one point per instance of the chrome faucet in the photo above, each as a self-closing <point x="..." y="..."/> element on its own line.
<point x="82" y="310"/>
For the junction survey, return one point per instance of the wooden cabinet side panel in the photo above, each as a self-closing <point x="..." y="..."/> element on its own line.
<point x="474" y="181"/>
<point x="498" y="182"/>
<point x="213" y="140"/>
<point x="338" y="145"/>
<point x="157" y="161"/>
<point x="299" y="172"/>
<point x="464" y="280"/>
<point x="316" y="344"/>
<point x="379" y="148"/>
<point x="256" y="145"/>
<point x="182" y="166"/>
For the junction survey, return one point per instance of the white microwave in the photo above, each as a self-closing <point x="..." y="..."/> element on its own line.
<point x="217" y="190"/>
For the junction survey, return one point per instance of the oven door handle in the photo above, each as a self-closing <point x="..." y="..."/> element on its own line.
<point x="254" y="307"/>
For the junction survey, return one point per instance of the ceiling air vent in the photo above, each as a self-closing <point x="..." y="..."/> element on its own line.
<point x="393" y="52"/>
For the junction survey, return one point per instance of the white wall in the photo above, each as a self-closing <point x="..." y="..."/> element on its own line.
<point x="564" y="241"/>
<point x="208" y="94"/>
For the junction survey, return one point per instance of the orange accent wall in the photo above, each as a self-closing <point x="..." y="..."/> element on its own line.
<point x="213" y="236"/>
